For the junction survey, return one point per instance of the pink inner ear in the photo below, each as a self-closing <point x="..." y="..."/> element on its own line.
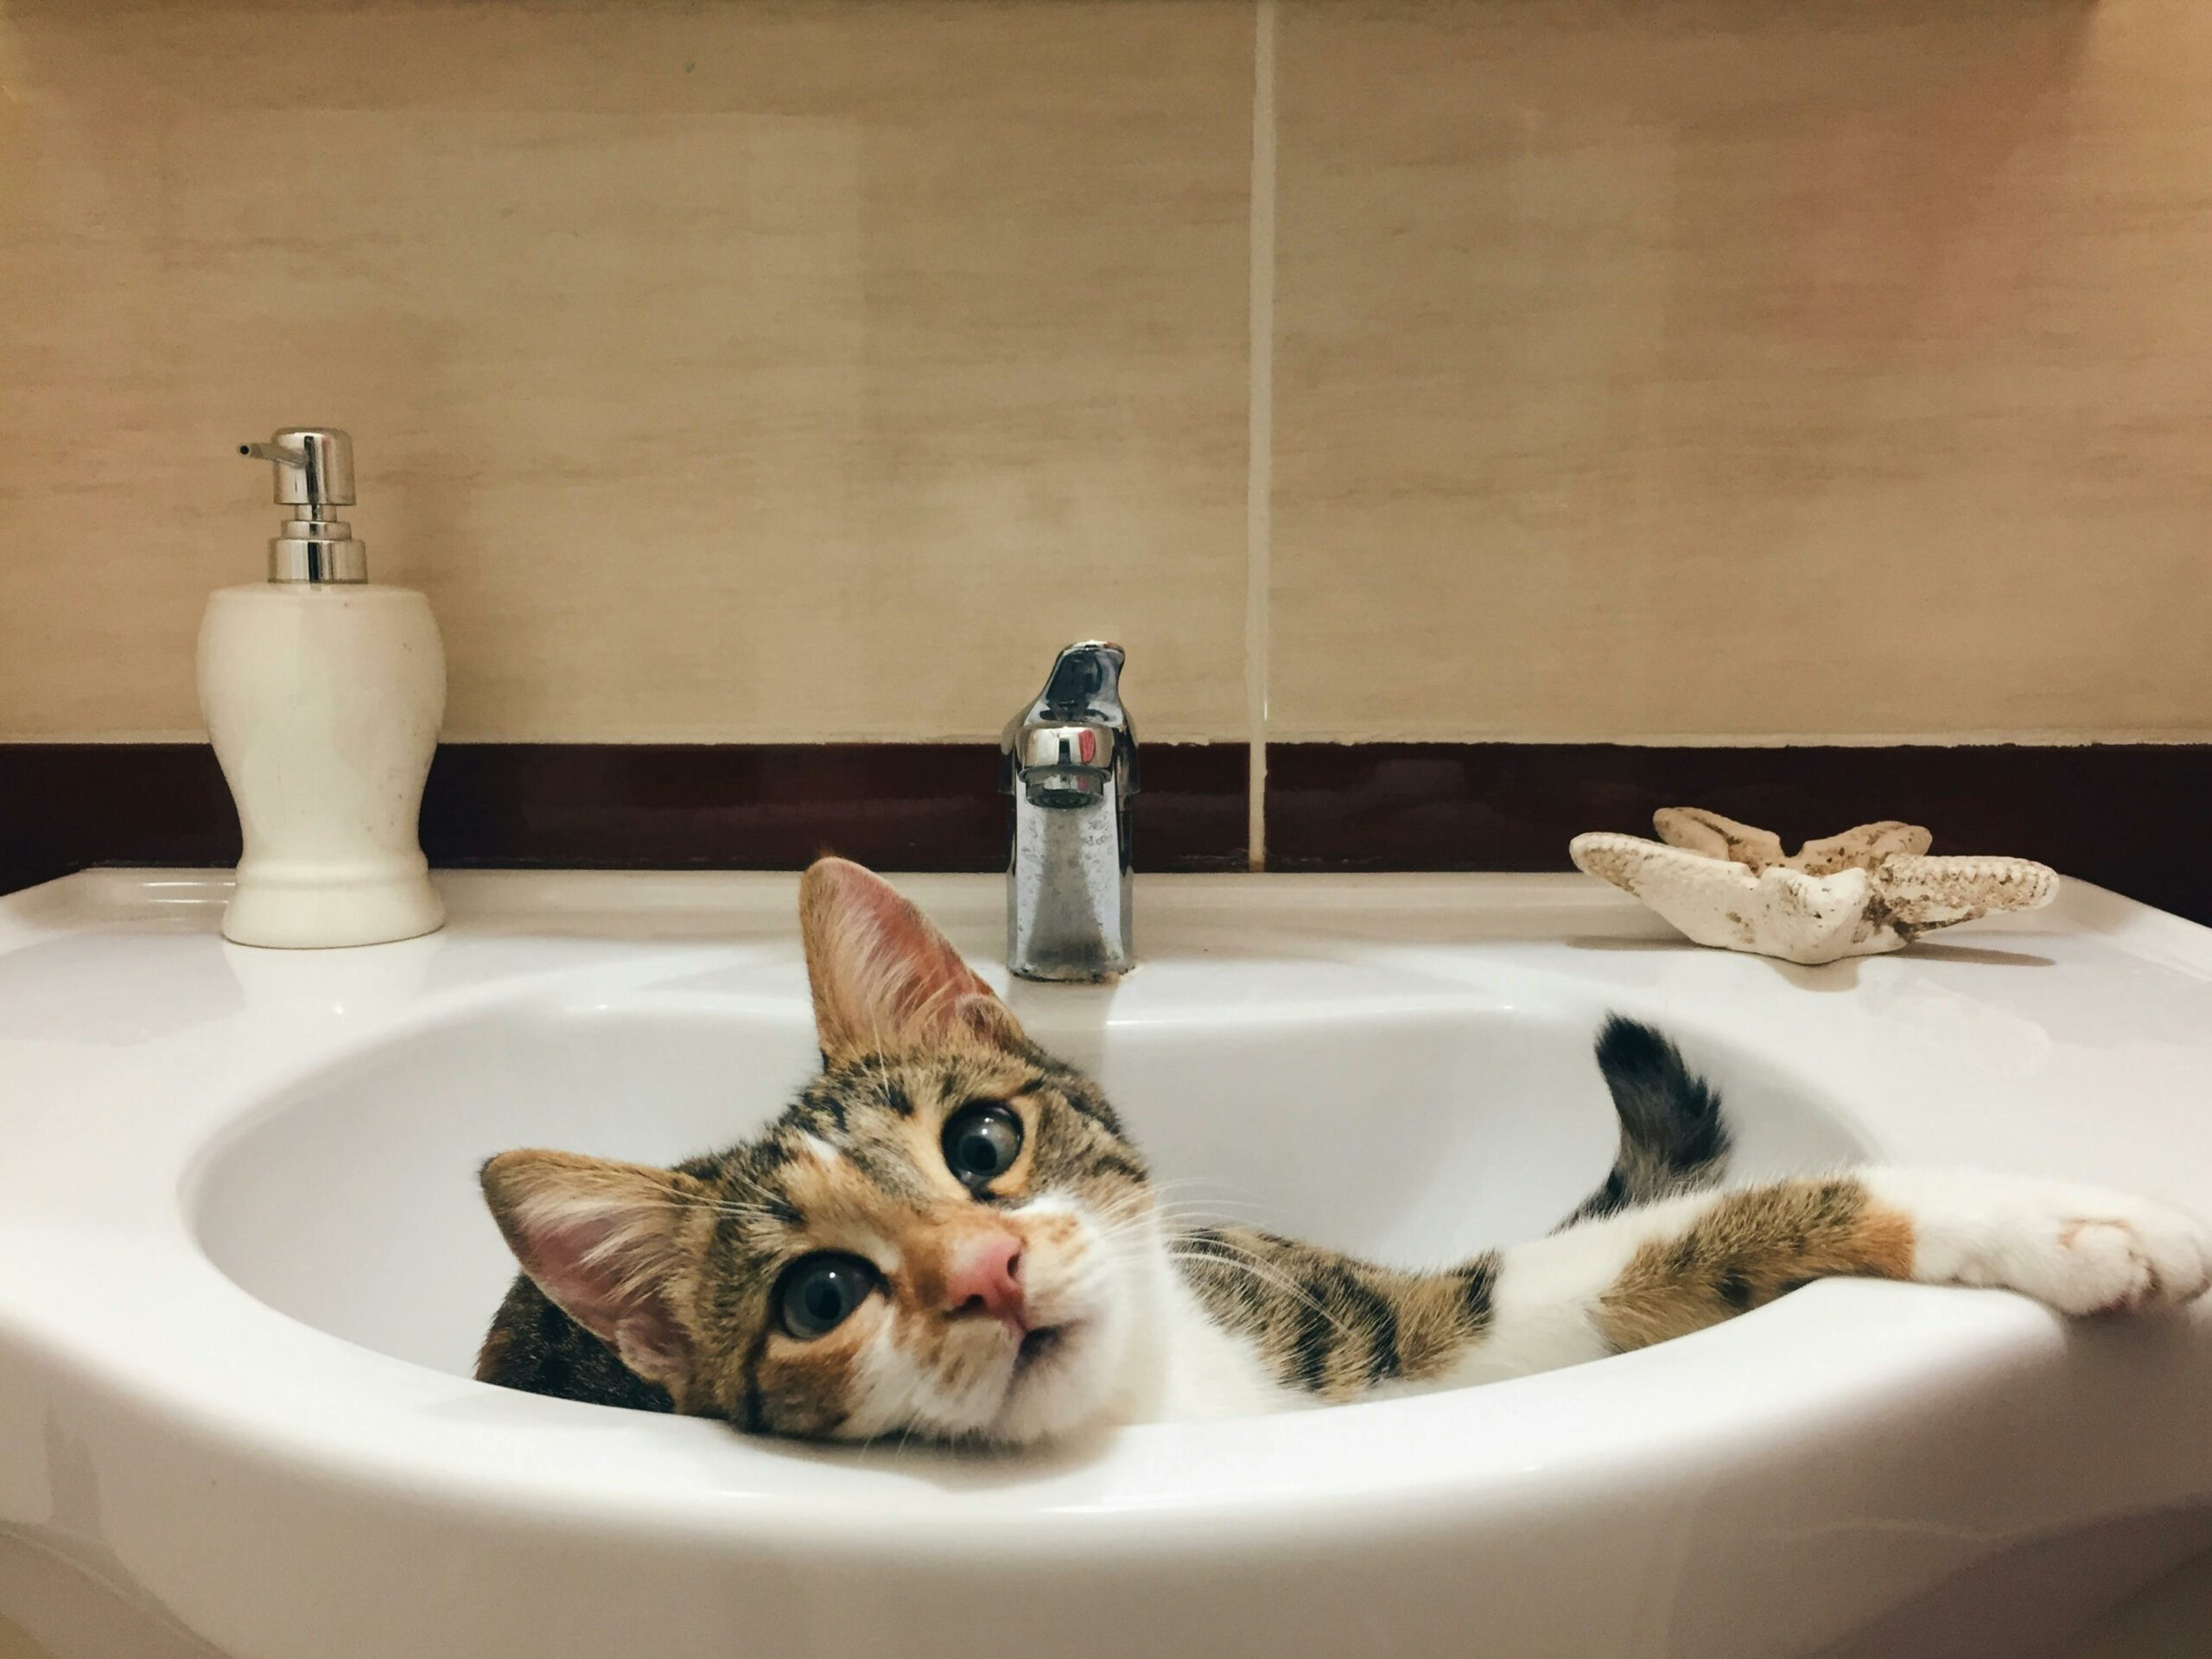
<point x="887" y="968"/>
<point x="604" y="1277"/>
<point x="930" y="973"/>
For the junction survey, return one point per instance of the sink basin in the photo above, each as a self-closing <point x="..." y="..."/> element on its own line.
<point x="236" y="1414"/>
<point x="1418" y="1120"/>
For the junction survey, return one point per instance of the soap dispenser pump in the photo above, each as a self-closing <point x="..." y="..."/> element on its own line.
<point x="323" y="692"/>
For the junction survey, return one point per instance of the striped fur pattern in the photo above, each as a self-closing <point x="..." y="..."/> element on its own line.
<point x="1325" y="1324"/>
<point x="1038" y="1292"/>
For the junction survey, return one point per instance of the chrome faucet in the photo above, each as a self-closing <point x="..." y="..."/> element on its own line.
<point x="1070" y="761"/>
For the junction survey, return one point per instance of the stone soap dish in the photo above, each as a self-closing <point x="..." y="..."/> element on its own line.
<point x="1859" y="894"/>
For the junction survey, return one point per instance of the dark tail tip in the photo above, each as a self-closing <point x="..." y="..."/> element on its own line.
<point x="1630" y="1047"/>
<point x="1667" y="1112"/>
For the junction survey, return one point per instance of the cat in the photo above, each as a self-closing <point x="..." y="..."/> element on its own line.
<point x="948" y="1234"/>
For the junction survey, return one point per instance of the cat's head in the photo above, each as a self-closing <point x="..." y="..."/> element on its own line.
<point x="945" y="1234"/>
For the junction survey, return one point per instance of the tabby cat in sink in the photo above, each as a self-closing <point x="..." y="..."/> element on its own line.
<point x="949" y="1234"/>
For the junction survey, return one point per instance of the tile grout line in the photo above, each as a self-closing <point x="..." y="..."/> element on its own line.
<point x="1259" y="477"/>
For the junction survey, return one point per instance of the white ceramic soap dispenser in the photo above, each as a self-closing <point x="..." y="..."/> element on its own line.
<point x="323" y="694"/>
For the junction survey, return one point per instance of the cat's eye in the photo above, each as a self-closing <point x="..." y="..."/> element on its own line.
<point x="818" y="1292"/>
<point x="981" y="1143"/>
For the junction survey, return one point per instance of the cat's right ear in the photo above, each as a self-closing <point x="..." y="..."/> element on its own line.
<point x="616" y="1246"/>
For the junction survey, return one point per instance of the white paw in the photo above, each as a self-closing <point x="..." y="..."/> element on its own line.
<point x="2115" y="1254"/>
<point x="2083" y="1249"/>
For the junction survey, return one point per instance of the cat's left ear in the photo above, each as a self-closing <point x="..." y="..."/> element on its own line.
<point x="885" y="980"/>
<point x="617" y="1247"/>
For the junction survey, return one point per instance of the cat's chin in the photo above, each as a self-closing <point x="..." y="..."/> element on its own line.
<point x="1078" y="1374"/>
<point x="1055" y="1388"/>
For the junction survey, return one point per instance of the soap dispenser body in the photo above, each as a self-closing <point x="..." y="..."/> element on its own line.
<point x="324" y="700"/>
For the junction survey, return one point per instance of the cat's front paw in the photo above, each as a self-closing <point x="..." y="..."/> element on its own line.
<point x="2083" y="1249"/>
<point x="2124" y="1254"/>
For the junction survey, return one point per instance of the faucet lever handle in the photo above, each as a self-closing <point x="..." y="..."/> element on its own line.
<point x="1086" y="679"/>
<point x="1061" y="747"/>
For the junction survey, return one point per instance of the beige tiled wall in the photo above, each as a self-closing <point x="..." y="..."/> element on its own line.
<point x="735" y="371"/>
<point x="1715" y="367"/>
<point x="1700" y="368"/>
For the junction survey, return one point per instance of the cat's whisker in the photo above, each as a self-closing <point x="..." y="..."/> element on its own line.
<point x="1291" y="1290"/>
<point x="1269" y="1274"/>
<point x="1173" y="1182"/>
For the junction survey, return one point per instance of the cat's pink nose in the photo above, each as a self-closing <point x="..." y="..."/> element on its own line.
<point x="985" y="1278"/>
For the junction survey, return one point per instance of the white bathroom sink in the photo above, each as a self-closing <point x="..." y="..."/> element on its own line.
<point x="248" y="1269"/>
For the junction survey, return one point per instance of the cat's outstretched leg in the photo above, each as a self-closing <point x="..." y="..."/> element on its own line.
<point x="1331" y="1326"/>
<point x="1645" y="1275"/>
<point x="2083" y="1249"/>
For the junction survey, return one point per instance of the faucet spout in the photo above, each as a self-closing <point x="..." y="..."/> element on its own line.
<point x="1070" y="761"/>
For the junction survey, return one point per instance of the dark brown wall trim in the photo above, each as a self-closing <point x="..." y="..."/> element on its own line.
<point x="66" y="805"/>
<point x="2093" y="812"/>
<point x="899" y="806"/>
<point x="2100" y="811"/>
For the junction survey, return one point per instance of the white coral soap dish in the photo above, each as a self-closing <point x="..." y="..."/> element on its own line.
<point x="1868" y="890"/>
